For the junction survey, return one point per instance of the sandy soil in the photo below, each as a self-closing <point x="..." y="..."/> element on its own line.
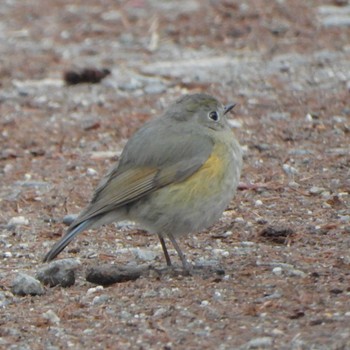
<point x="278" y="262"/>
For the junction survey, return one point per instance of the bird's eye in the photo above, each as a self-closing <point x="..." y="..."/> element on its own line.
<point x="214" y="116"/>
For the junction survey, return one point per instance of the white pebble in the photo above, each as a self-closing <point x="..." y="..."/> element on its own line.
<point x="18" y="220"/>
<point x="289" y="170"/>
<point x="239" y="220"/>
<point x="7" y="255"/>
<point x="277" y="271"/>
<point x="51" y="316"/>
<point x="91" y="172"/>
<point x="94" y="290"/>
<point x="258" y="203"/>
<point x="217" y="295"/>
<point x="316" y="190"/>
<point x="205" y="303"/>
<point x="308" y="117"/>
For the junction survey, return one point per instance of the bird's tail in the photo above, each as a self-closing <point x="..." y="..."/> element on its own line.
<point x="66" y="239"/>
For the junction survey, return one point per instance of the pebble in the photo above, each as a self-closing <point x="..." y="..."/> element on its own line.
<point x="204" y="303"/>
<point x="105" y="154"/>
<point x="217" y="295"/>
<point x="156" y="88"/>
<point x="222" y="252"/>
<point x="296" y="273"/>
<point x="91" y="172"/>
<point x="51" y="317"/>
<point x="336" y="21"/>
<point x="289" y="170"/>
<point x="32" y="184"/>
<point x="279" y="116"/>
<point x="293" y="184"/>
<point x="234" y="123"/>
<point x="239" y="220"/>
<point x="160" y="312"/>
<point x="100" y="299"/>
<point x="335" y="16"/>
<point x="94" y="290"/>
<point x="58" y="272"/>
<point x="68" y="219"/>
<point x="16" y="221"/>
<point x="144" y="254"/>
<point x="300" y="152"/>
<point x="277" y="270"/>
<point x="309" y="117"/>
<point x="24" y="284"/>
<point x="247" y="244"/>
<point x="5" y="298"/>
<point x="316" y="190"/>
<point x="258" y="203"/>
<point x="258" y="343"/>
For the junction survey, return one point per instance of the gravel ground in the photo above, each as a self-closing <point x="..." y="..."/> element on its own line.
<point x="274" y="272"/>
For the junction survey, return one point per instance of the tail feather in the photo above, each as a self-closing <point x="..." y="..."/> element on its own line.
<point x="66" y="239"/>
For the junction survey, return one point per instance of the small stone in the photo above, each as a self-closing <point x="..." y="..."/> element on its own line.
<point x="277" y="270"/>
<point x="51" y="317"/>
<point x="279" y="116"/>
<point x="289" y="170"/>
<point x="205" y="303"/>
<point x="59" y="272"/>
<point x="258" y="203"/>
<point x="316" y="190"/>
<point x="262" y="147"/>
<point x="155" y="88"/>
<point x="344" y="218"/>
<point x="94" y="290"/>
<point x="160" y="312"/>
<point x="239" y="220"/>
<point x="145" y="254"/>
<point x="247" y="244"/>
<point x="296" y="273"/>
<point x="222" y="252"/>
<point x="300" y="152"/>
<point x="7" y="255"/>
<point x="5" y="299"/>
<point x="16" y="221"/>
<point x="293" y="184"/>
<point x="309" y="117"/>
<point x="217" y="295"/>
<point x="24" y="284"/>
<point x="68" y="219"/>
<point x="259" y="343"/>
<point x="100" y="299"/>
<point x="91" y="172"/>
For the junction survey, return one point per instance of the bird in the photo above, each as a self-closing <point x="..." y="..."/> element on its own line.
<point x="175" y="176"/>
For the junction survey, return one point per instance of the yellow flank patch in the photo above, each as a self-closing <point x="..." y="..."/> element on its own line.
<point x="206" y="181"/>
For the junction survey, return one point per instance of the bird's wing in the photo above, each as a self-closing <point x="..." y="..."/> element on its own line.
<point x="147" y="166"/>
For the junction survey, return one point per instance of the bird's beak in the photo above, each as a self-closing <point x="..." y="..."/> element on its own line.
<point x="227" y="108"/>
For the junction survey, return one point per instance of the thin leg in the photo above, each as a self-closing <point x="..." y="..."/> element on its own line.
<point x="165" y="251"/>
<point x="179" y="252"/>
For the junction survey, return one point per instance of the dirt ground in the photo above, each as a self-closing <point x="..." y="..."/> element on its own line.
<point x="276" y="269"/>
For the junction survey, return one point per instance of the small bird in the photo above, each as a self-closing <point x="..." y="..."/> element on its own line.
<point x="175" y="176"/>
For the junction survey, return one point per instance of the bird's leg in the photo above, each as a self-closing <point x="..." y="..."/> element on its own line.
<point x="165" y="251"/>
<point x="179" y="252"/>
